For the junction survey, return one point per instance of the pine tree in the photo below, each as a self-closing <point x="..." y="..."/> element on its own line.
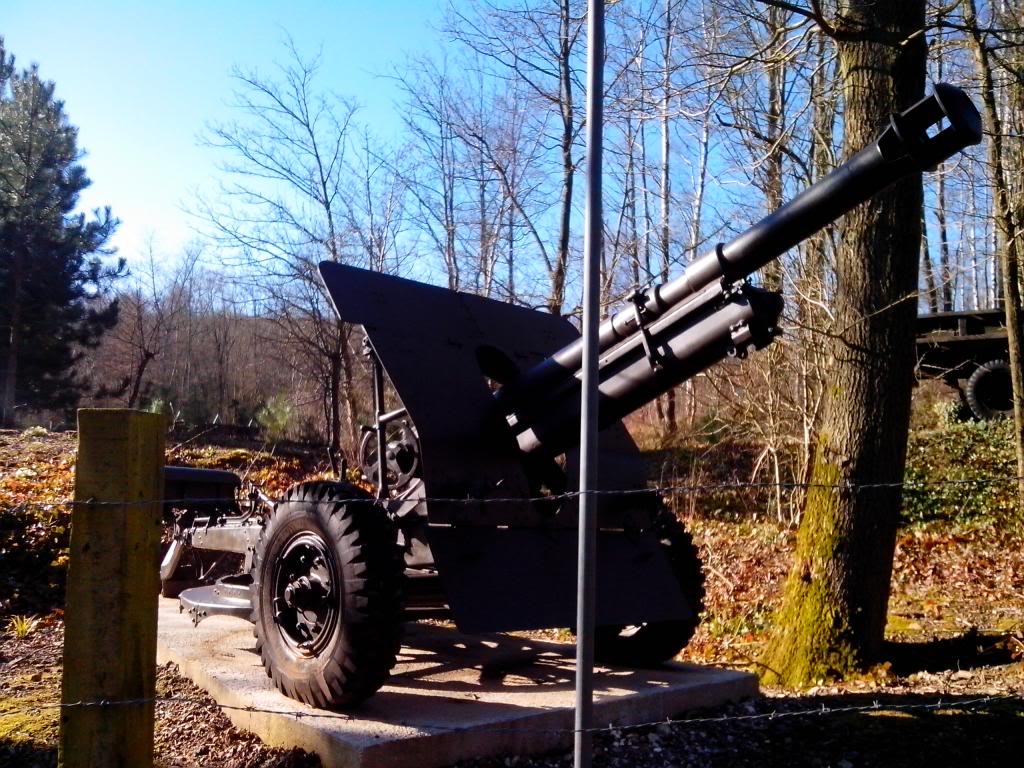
<point x="53" y="280"/>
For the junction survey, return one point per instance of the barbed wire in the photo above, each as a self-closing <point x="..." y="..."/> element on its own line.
<point x="665" y="490"/>
<point x="847" y="486"/>
<point x="938" y="704"/>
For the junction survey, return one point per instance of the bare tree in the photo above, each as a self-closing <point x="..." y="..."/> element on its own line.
<point x="280" y="208"/>
<point x="1006" y="166"/>
<point x="834" y="608"/>
<point x="375" y="212"/>
<point x="430" y="117"/>
<point x="150" y="312"/>
<point x="509" y="151"/>
<point x="535" y="44"/>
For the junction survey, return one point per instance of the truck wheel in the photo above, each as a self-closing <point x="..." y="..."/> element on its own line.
<point x="989" y="391"/>
<point x="327" y="602"/>
<point x="657" y="642"/>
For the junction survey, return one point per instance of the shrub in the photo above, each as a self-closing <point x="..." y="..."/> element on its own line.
<point x="274" y="418"/>
<point x="33" y="560"/>
<point x="961" y="471"/>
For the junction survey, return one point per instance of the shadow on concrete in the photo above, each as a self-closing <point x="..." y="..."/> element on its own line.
<point x="498" y="659"/>
<point x="431" y="655"/>
<point x="438" y="658"/>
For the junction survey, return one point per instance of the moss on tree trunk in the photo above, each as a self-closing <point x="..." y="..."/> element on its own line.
<point x="832" y="620"/>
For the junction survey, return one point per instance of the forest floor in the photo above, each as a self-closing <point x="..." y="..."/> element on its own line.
<point x="950" y="693"/>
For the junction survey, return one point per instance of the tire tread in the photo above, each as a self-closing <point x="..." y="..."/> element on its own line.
<point x="360" y="660"/>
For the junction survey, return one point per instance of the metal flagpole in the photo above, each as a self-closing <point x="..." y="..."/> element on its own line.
<point x="586" y="566"/>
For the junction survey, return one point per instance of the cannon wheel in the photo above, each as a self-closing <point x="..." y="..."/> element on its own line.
<point x="989" y="391"/>
<point x="657" y="642"/>
<point x="327" y="602"/>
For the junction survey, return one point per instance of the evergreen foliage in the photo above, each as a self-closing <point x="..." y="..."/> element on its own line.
<point x="52" y="275"/>
<point x="962" y="472"/>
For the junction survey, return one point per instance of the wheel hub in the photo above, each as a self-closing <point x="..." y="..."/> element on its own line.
<point x="306" y="593"/>
<point x="401" y="455"/>
<point x="306" y="607"/>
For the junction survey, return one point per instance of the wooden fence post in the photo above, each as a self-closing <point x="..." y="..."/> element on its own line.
<point x="113" y="583"/>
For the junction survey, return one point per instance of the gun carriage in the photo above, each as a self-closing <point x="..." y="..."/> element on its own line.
<point x="474" y="515"/>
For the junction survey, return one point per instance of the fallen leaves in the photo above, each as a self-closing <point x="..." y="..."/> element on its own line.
<point x="961" y="585"/>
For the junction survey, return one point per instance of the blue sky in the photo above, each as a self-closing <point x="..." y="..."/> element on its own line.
<point x="141" y="79"/>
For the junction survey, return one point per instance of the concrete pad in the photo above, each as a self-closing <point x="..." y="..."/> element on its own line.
<point x="451" y="697"/>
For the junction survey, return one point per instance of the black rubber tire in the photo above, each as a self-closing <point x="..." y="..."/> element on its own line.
<point x="654" y="643"/>
<point x="989" y="391"/>
<point x="354" y="654"/>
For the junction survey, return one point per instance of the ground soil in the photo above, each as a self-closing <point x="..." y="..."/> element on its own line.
<point x="956" y="632"/>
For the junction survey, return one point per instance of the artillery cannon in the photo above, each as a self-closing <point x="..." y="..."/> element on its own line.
<point x="475" y="462"/>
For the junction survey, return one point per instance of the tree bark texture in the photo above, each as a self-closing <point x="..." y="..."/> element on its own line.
<point x="833" y="616"/>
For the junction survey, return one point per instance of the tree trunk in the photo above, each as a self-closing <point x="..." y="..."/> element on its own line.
<point x="10" y="371"/>
<point x="510" y="261"/>
<point x="10" y="374"/>
<point x="7" y="396"/>
<point x="833" y="616"/>
<point x="931" y="293"/>
<point x="558" y="275"/>
<point x="669" y="413"/>
<point x="349" y="385"/>
<point x="822" y="163"/>
<point x="772" y="272"/>
<point x="947" y="273"/>
<point x="334" y="384"/>
<point x="145" y="358"/>
<point x="945" y="260"/>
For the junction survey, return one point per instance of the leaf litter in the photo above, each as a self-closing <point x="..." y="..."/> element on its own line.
<point x="956" y="627"/>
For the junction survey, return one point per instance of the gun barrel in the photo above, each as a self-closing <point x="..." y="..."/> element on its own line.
<point x="918" y="139"/>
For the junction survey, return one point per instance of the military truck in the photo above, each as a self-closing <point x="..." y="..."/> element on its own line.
<point x="969" y="351"/>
